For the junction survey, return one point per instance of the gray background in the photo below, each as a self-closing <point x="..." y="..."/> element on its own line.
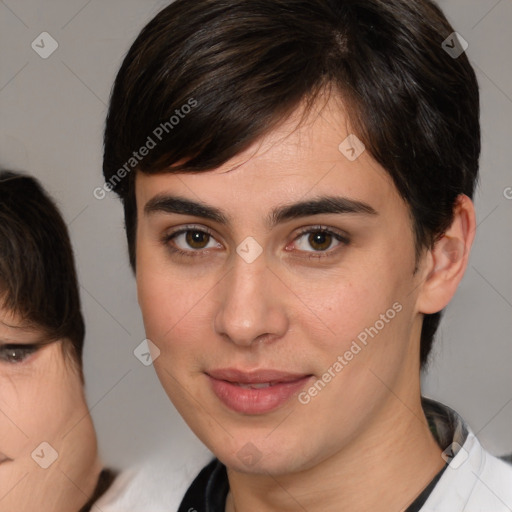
<point x="52" y="113"/>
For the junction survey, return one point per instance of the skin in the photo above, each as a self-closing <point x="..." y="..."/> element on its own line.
<point x="42" y="400"/>
<point x="362" y="443"/>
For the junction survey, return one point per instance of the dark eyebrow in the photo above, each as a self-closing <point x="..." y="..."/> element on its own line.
<point x="317" y="206"/>
<point x="325" y="204"/>
<point x="174" y="204"/>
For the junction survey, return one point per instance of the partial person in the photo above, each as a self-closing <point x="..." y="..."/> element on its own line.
<point x="48" y="450"/>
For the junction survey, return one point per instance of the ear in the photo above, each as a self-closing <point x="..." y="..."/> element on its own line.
<point x="445" y="264"/>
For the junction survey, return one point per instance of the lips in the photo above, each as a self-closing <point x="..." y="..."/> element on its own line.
<point x="255" y="392"/>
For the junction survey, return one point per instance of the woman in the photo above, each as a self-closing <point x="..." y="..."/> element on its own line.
<point x="48" y="450"/>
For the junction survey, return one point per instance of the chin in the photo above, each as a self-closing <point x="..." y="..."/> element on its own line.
<point x="257" y="455"/>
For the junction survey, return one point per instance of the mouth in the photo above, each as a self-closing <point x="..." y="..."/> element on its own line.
<point x="255" y="392"/>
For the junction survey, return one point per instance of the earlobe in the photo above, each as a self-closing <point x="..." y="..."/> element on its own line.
<point x="448" y="259"/>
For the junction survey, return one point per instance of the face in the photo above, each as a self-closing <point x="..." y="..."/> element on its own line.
<point x="280" y="293"/>
<point x="41" y="401"/>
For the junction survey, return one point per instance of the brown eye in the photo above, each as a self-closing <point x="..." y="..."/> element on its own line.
<point x="191" y="241"/>
<point x="320" y="240"/>
<point x="197" y="239"/>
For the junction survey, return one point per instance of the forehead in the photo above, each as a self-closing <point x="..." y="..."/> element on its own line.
<point x="9" y="319"/>
<point x="13" y="328"/>
<point x="303" y="157"/>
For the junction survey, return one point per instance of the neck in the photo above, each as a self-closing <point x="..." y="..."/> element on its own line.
<point x="383" y="468"/>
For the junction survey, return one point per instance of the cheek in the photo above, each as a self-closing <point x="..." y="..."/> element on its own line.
<point x="38" y="404"/>
<point x="339" y="304"/>
<point x="31" y="414"/>
<point x="175" y="304"/>
<point x="163" y="303"/>
<point x="15" y="417"/>
<point x="360" y="315"/>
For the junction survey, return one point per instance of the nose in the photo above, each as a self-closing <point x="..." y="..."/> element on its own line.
<point x="251" y="306"/>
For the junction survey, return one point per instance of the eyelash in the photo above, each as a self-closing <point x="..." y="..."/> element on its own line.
<point x="343" y="239"/>
<point x="9" y="353"/>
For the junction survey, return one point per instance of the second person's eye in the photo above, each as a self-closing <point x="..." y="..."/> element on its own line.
<point x="15" y="354"/>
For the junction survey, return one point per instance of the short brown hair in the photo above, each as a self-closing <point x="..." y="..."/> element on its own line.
<point x="38" y="278"/>
<point x="249" y="63"/>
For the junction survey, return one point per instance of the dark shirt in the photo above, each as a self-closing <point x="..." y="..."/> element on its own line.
<point x="209" y="491"/>
<point x="105" y="480"/>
